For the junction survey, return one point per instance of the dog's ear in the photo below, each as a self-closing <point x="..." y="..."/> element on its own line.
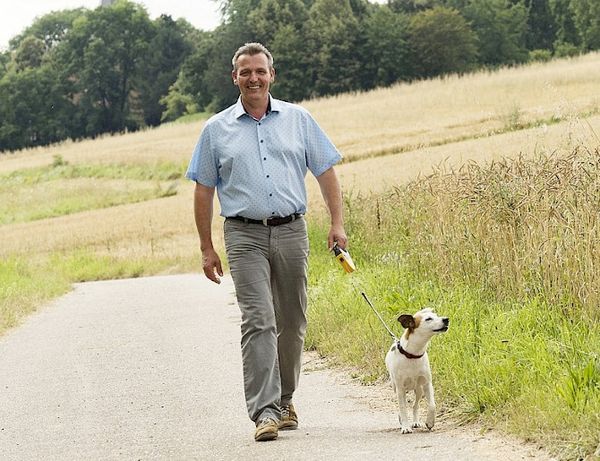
<point x="407" y="321"/>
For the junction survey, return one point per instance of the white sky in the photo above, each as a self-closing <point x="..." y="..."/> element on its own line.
<point x="16" y="15"/>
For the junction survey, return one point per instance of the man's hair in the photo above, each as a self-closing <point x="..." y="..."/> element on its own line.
<point x="251" y="49"/>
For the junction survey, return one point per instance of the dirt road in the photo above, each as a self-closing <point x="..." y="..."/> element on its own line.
<point x="150" y="368"/>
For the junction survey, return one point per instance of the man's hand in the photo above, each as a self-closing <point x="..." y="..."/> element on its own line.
<point x="211" y="265"/>
<point x="337" y="234"/>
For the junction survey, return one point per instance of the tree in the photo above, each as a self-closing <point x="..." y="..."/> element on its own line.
<point x="566" y="31"/>
<point x="442" y="42"/>
<point x="102" y="54"/>
<point x="33" y="108"/>
<point x="412" y="6"/>
<point x="332" y="44"/>
<point x="30" y="53"/>
<point x="387" y="36"/>
<point x="586" y="16"/>
<point x="271" y="15"/>
<point x="291" y="63"/>
<point x="51" y="28"/>
<point x="166" y="51"/>
<point x="541" y="25"/>
<point x="4" y="62"/>
<point x="501" y="27"/>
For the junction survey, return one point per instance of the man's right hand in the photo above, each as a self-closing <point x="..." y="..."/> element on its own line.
<point x="211" y="265"/>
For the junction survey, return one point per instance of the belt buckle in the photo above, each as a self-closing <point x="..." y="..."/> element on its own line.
<point x="265" y="222"/>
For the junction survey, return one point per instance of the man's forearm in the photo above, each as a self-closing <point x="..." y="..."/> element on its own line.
<point x="331" y="192"/>
<point x="203" y="211"/>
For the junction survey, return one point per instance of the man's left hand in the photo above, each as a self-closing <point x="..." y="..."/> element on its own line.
<point x="337" y="234"/>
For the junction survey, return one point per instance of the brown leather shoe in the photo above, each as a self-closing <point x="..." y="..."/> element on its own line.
<point x="266" y="429"/>
<point x="289" y="418"/>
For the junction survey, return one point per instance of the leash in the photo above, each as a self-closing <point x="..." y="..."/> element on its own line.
<point x="379" y="317"/>
<point x="396" y="340"/>
<point x="348" y="265"/>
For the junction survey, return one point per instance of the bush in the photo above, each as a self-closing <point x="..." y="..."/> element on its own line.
<point x="540" y="55"/>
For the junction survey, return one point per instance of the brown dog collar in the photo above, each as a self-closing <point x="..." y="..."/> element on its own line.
<point x="408" y="355"/>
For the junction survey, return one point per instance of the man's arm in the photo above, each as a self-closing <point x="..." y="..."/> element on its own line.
<point x="332" y="194"/>
<point x="203" y="211"/>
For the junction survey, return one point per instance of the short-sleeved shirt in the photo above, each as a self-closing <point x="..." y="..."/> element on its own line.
<point x="259" y="166"/>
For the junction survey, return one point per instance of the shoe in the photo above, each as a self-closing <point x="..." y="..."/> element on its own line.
<point x="266" y="429"/>
<point x="289" y="418"/>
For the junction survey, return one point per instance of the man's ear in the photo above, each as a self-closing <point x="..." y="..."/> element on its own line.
<point x="407" y="321"/>
<point x="272" y="74"/>
<point x="234" y="77"/>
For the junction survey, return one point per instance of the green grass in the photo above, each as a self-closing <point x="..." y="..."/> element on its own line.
<point x="23" y="287"/>
<point x="28" y="282"/>
<point x="189" y="118"/>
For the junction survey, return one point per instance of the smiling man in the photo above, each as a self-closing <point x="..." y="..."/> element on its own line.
<point x="256" y="155"/>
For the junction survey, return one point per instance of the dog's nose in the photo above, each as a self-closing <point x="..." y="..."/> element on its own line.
<point x="446" y="321"/>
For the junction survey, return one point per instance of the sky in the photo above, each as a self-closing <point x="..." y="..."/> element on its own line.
<point x="203" y="14"/>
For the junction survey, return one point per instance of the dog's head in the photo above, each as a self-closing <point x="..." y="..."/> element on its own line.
<point x="425" y="322"/>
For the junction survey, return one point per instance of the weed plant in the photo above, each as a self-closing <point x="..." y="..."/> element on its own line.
<point x="510" y="252"/>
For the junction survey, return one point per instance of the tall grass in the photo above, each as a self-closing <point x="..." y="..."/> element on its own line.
<point x="510" y="252"/>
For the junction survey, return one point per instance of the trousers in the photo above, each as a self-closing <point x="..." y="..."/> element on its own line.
<point x="269" y="270"/>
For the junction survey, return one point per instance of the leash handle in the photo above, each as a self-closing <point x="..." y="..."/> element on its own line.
<point x="379" y="316"/>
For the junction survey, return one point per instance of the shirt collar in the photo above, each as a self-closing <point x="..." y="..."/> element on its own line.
<point x="274" y="106"/>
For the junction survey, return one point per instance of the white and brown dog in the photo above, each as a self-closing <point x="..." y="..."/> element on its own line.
<point x="408" y="365"/>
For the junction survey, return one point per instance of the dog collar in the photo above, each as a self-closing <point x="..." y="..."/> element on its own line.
<point x="408" y="355"/>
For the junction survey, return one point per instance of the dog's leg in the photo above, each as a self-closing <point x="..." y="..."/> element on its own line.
<point x="418" y="396"/>
<point x="430" y="421"/>
<point x="403" y="413"/>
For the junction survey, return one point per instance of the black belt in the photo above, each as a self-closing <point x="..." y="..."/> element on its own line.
<point x="275" y="221"/>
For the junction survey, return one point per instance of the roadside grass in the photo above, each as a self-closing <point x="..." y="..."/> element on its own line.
<point x="509" y="251"/>
<point x="26" y="282"/>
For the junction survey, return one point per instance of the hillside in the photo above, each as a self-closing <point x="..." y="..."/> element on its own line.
<point x="387" y="136"/>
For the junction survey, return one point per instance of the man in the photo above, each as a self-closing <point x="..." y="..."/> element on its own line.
<point x="256" y="154"/>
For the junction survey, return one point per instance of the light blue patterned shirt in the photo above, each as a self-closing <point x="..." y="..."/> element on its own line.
<point x="258" y="167"/>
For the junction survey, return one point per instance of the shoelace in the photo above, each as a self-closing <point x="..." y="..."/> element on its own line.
<point x="265" y="421"/>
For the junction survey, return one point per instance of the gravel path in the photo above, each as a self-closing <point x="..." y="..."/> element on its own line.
<point x="150" y="368"/>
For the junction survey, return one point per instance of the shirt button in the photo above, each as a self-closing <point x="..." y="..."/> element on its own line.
<point x="261" y="140"/>
<point x="270" y="195"/>
<point x="264" y="158"/>
<point x="268" y="176"/>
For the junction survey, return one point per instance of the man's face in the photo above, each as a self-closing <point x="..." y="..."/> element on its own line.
<point x="253" y="77"/>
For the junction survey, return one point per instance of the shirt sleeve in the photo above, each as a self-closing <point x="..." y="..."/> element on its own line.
<point x="203" y="165"/>
<point x="321" y="154"/>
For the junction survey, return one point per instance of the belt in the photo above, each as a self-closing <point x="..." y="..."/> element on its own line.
<point x="275" y="221"/>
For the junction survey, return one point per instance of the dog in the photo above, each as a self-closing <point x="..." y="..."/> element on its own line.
<point x="408" y="365"/>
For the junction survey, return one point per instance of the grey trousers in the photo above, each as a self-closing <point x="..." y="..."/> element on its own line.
<point x="269" y="270"/>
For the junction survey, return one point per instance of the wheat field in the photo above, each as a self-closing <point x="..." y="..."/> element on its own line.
<point x="452" y="119"/>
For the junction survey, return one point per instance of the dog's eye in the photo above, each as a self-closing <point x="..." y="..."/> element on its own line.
<point x="428" y="319"/>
